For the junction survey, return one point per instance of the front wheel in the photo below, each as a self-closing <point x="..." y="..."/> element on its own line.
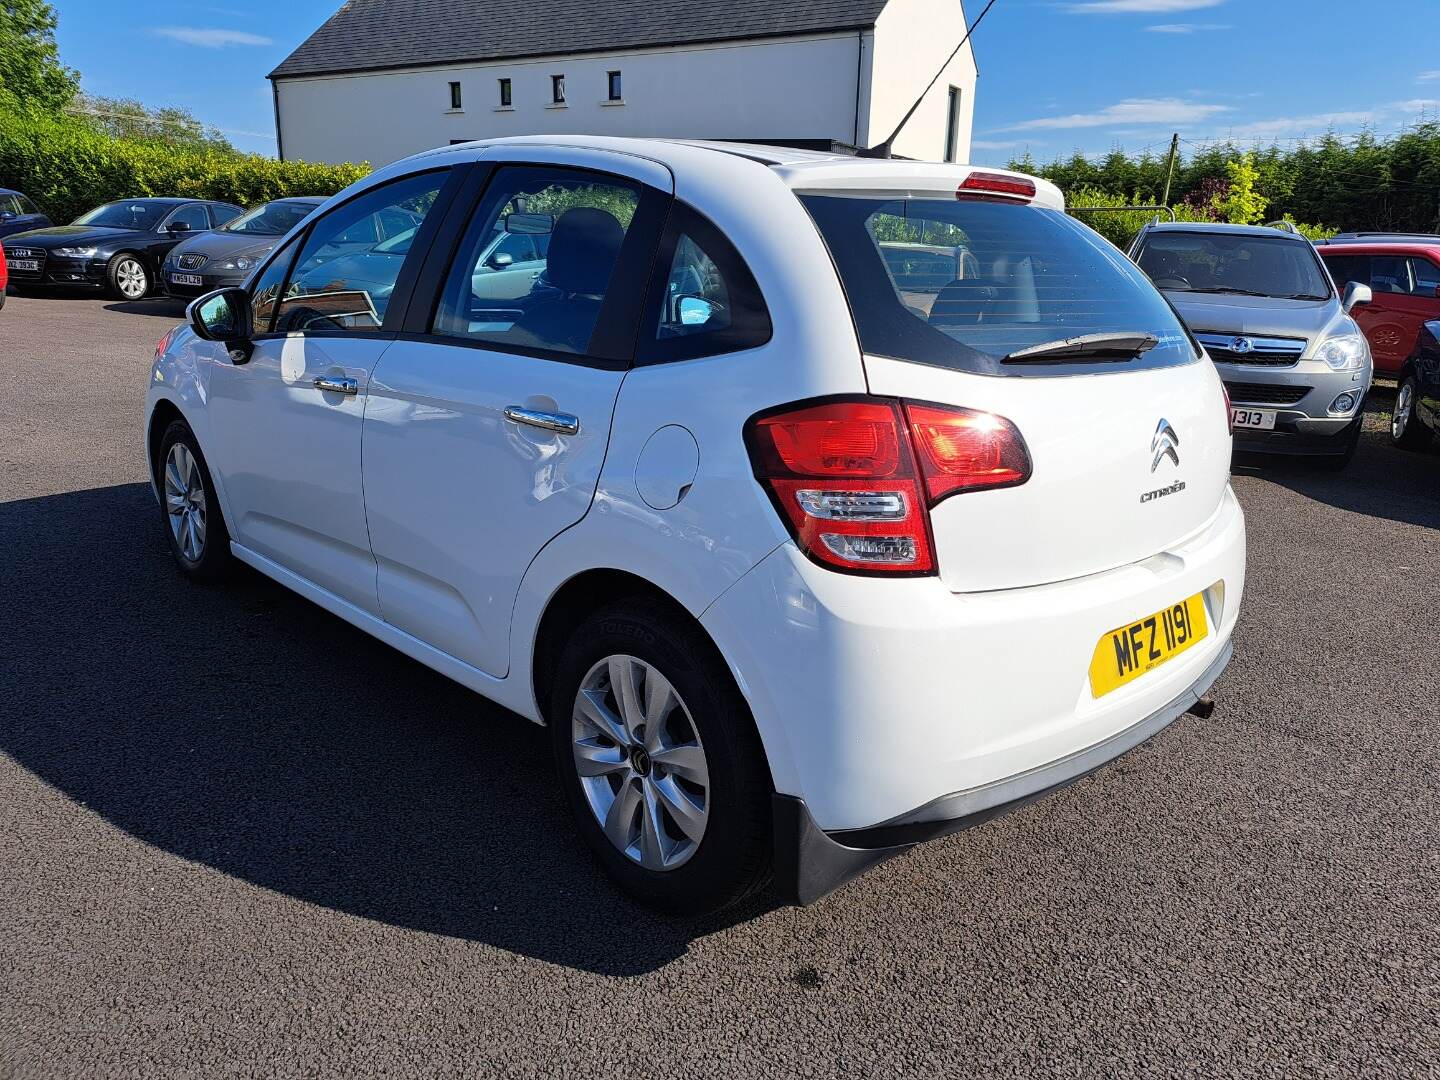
<point x="193" y="522"/>
<point x="660" y="760"/>
<point x="128" y="278"/>
<point x="1406" y="429"/>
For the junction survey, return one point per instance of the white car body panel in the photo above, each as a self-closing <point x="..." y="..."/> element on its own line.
<point x="290" y="454"/>
<point x="459" y="499"/>
<point x="872" y="697"/>
<point x="887" y="699"/>
<point x="1090" y="441"/>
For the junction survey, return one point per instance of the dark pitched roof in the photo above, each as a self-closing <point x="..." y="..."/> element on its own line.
<point x="374" y="34"/>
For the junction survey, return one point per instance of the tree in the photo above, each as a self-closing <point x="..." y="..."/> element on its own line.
<point x="1241" y="204"/>
<point x="30" y="68"/>
<point x="125" y="118"/>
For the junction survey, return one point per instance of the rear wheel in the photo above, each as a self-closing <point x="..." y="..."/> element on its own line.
<point x="128" y="278"/>
<point x="193" y="522"/>
<point x="1406" y="429"/>
<point x="660" y="760"/>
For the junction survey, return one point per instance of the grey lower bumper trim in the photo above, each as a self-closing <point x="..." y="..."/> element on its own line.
<point x="1044" y="777"/>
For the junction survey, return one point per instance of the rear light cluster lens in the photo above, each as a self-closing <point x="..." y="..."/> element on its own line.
<point x="988" y="185"/>
<point x="854" y="479"/>
<point x="1229" y="413"/>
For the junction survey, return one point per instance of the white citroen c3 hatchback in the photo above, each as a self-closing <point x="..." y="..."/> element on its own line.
<point x="819" y="505"/>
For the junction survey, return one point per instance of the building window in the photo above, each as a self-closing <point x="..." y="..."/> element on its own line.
<point x="557" y="89"/>
<point x="505" y="93"/>
<point x="613" y="80"/>
<point x="455" y="95"/>
<point x="952" y="125"/>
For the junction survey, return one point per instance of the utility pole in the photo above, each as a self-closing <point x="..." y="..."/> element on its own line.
<point x="1170" y="168"/>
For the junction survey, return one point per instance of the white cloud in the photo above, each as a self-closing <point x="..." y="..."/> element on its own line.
<point x="211" y="37"/>
<point x="1392" y="113"/>
<point x="1428" y="76"/>
<point x="1129" y="111"/>
<point x="1187" y="28"/>
<point x="1140" y="7"/>
<point x="989" y="144"/>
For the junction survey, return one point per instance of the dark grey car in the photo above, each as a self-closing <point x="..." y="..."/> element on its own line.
<point x="225" y="257"/>
<point x="1295" y="364"/>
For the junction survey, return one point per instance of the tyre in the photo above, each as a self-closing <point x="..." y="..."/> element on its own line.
<point x="1339" y="462"/>
<point x="193" y="522"/>
<point x="127" y="277"/>
<point x="1407" y="430"/>
<point x="660" y="760"/>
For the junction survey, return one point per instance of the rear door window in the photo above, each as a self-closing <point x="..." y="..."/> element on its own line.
<point x="966" y="283"/>
<point x="704" y="299"/>
<point x="573" y="223"/>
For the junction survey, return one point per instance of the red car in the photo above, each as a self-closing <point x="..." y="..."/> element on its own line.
<point x="1404" y="276"/>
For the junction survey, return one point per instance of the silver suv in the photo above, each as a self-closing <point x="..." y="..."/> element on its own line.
<point x="1295" y="364"/>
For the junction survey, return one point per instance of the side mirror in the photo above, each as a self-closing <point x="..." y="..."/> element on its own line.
<point x="1355" y="295"/>
<point x="178" y="226"/>
<point x="695" y="310"/>
<point x="224" y="316"/>
<point x="501" y="259"/>
<point x="6" y="215"/>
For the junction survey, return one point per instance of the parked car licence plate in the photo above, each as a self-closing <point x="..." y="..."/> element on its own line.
<point x="1253" y="418"/>
<point x="187" y="279"/>
<point x="1129" y="651"/>
<point x="25" y="264"/>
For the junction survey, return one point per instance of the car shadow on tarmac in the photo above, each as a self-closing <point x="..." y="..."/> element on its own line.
<point x="244" y="728"/>
<point x="162" y="307"/>
<point x="1381" y="481"/>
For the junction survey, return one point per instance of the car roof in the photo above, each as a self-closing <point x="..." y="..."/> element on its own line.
<point x="309" y="200"/>
<point x="1224" y="228"/>
<point x="813" y="169"/>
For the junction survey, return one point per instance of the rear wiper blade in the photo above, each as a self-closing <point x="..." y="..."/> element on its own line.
<point x="1121" y="346"/>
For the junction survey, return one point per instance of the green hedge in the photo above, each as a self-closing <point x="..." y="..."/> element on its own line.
<point x="67" y="167"/>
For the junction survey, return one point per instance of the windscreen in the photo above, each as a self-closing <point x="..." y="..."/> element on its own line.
<point x="272" y="219"/>
<point x="966" y="283"/>
<point x="144" y="216"/>
<point x="1246" y="265"/>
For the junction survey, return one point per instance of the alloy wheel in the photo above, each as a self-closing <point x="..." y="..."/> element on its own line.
<point x="130" y="277"/>
<point x="641" y="762"/>
<point x="1404" y="405"/>
<point x="185" y="501"/>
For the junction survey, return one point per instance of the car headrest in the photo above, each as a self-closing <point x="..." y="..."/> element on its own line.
<point x="583" y="249"/>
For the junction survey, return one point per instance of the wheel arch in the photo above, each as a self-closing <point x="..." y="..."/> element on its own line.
<point x="572" y="603"/>
<point x="165" y="413"/>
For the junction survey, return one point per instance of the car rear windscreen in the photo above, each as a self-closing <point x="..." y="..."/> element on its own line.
<point x="965" y="283"/>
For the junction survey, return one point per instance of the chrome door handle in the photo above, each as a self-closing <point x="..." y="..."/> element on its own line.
<point x="336" y="385"/>
<point x="558" y="422"/>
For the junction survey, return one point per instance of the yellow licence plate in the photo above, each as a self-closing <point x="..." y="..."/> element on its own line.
<point x="1129" y="651"/>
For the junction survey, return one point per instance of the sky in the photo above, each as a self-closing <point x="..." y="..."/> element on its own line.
<point x="1056" y="76"/>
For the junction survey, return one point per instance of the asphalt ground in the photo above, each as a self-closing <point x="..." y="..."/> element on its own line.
<point x="240" y="838"/>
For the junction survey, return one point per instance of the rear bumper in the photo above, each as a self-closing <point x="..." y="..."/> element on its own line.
<point x="881" y="701"/>
<point x="810" y="862"/>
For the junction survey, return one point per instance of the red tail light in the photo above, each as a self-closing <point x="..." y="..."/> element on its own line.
<point x="984" y="185"/>
<point x="854" y="479"/>
<point x="1229" y="415"/>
